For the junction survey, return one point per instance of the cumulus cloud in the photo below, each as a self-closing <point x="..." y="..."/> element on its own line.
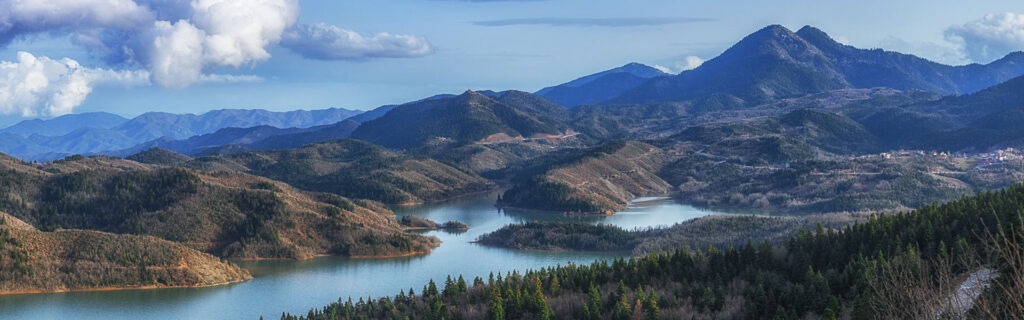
<point x="20" y="18"/>
<point x="177" y="41"/>
<point x="40" y="86"/>
<point x="990" y="37"/>
<point x="327" y="42"/>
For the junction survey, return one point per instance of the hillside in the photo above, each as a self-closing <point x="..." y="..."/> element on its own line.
<point x="775" y="62"/>
<point x="660" y="120"/>
<point x="465" y="119"/>
<point x="782" y="173"/>
<point x="71" y="260"/>
<point x="231" y="215"/>
<point x="352" y="168"/>
<point x="601" y="180"/>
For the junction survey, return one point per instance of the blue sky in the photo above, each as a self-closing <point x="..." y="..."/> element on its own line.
<point x="450" y="46"/>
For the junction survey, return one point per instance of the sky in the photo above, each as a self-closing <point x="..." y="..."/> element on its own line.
<point x="134" y="56"/>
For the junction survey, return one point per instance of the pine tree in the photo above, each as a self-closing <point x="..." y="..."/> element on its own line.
<point x="592" y="308"/>
<point x="496" y="307"/>
<point x="651" y="306"/>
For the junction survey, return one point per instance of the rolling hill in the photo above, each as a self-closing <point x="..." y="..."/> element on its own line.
<point x="465" y="119"/>
<point x="352" y="168"/>
<point x="71" y="260"/>
<point x="231" y="215"/>
<point x="602" y="180"/>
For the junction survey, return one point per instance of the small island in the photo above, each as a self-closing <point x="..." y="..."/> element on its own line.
<point x="420" y="223"/>
<point x="715" y="230"/>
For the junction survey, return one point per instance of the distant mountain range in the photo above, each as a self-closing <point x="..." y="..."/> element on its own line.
<point x="100" y="132"/>
<point x="769" y="72"/>
<point x="775" y="62"/>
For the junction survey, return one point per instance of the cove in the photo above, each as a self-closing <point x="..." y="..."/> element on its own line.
<point x="297" y="286"/>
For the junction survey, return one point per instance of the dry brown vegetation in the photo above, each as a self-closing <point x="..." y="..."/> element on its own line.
<point x="601" y="180"/>
<point x="67" y="260"/>
<point x="232" y="215"/>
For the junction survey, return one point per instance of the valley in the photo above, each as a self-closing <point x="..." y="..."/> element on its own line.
<point x="779" y="179"/>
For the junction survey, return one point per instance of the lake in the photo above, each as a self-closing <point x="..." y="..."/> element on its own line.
<point x="297" y="286"/>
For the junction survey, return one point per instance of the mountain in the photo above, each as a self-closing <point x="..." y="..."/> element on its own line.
<point x="65" y="124"/>
<point x="465" y="119"/>
<point x="352" y="168"/>
<point x="227" y="214"/>
<point x="600" y="86"/>
<point x="232" y="140"/>
<point x="775" y="62"/>
<point x="153" y="125"/>
<point x="101" y="133"/>
<point x="972" y="122"/>
<point x="69" y="260"/>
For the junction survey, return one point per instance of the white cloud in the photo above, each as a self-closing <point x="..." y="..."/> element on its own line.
<point x="40" y="86"/>
<point x="690" y="63"/>
<point x="327" y="42"/>
<point x="177" y="41"/>
<point x="990" y="37"/>
<point x="19" y="18"/>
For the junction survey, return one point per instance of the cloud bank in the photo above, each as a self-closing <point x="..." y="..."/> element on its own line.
<point x="40" y="86"/>
<point x="327" y="42"/>
<point x="177" y="41"/>
<point x="173" y="43"/>
<point x="990" y="37"/>
<point x="590" y="22"/>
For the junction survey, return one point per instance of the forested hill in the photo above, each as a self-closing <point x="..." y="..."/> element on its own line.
<point x="891" y="266"/>
<point x="355" y="169"/>
<point x="465" y="119"/>
<point x="227" y="214"/>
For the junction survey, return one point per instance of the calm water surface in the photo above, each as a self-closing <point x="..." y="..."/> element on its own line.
<point x="297" y="286"/>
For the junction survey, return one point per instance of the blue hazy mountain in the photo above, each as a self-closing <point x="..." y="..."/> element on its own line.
<point x="600" y="86"/>
<point x="775" y="62"/>
<point x="90" y="133"/>
<point x="231" y="140"/>
<point x="155" y="125"/>
<point x="65" y="124"/>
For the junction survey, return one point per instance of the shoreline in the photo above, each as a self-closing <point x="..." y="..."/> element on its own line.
<point x="118" y="288"/>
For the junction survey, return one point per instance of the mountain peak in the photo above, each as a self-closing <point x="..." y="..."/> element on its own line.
<point x="817" y="37"/>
